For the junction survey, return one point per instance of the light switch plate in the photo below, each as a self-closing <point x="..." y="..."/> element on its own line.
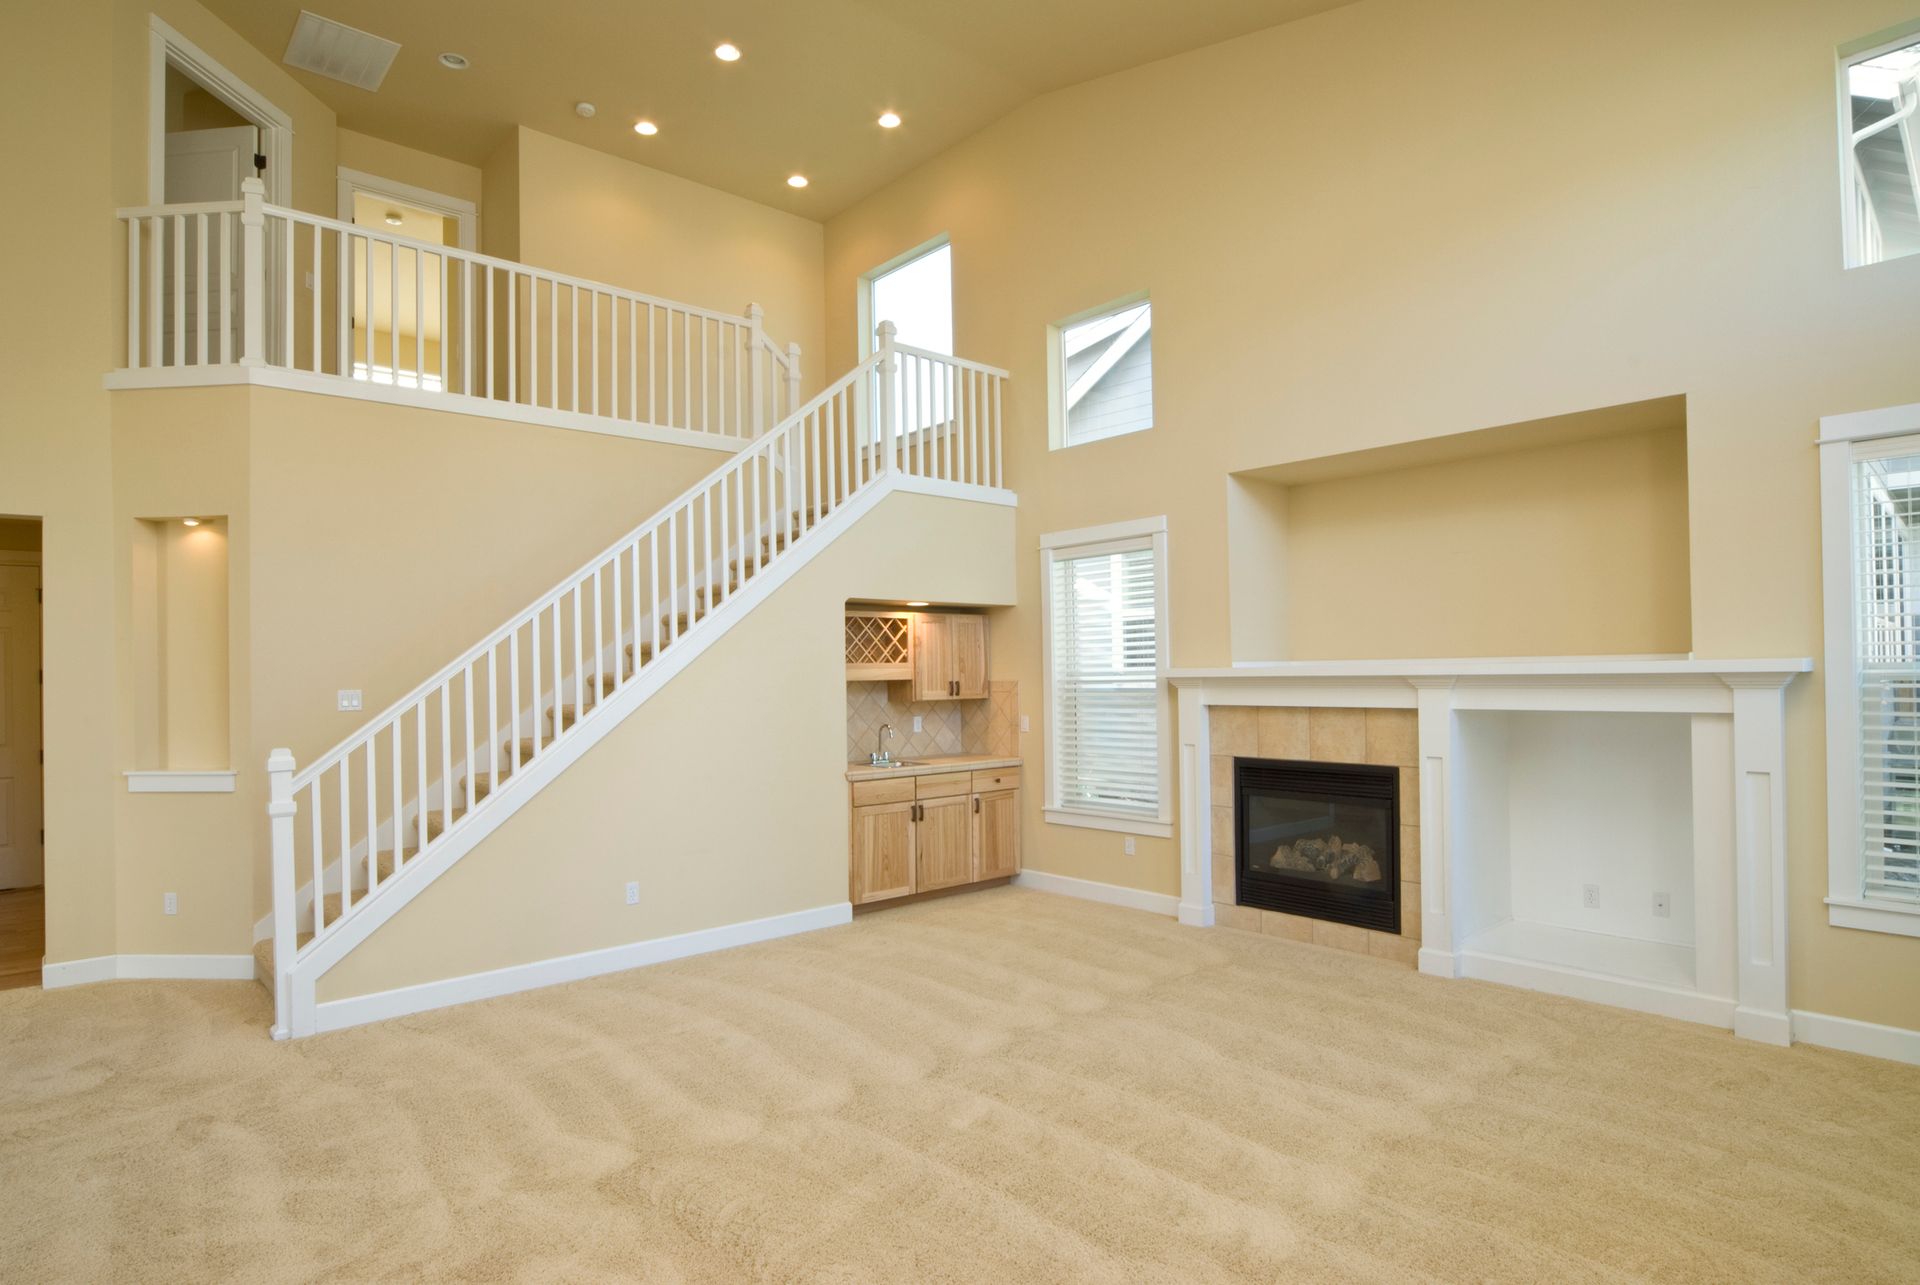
<point x="1024" y="725"/>
<point x="170" y="903"/>
<point x="349" y="700"/>
<point x="919" y="724"/>
<point x="633" y="894"/>
<point x="1130" y="845"/>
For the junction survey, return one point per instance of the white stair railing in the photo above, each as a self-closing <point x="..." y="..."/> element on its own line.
<point x="220" y="285"/>
<point x="361" y="816"/>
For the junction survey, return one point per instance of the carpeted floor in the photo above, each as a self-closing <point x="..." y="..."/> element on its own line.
<point x="1006" y="1086"/>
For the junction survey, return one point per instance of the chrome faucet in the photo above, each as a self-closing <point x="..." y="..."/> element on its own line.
<point x="882" y="756"/>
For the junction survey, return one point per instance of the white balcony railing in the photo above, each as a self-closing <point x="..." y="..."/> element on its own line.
<point x="215" y="288"/>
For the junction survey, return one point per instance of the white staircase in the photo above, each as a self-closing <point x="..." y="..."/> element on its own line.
<point x="364" y="828"/>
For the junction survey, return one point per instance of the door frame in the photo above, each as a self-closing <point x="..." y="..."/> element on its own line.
<point x="168" y="48"/>
<point x="352" y="182"/>
<point x="34" y="558"/>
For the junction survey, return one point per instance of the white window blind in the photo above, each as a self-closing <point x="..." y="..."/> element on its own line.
<point x="1887" y="628"/>
<point x="1105" y="676"/>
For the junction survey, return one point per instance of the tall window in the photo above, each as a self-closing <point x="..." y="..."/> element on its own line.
<point x="1106" y="650"/>
<point x="915" y="293"/>
<point x="1870" y="537"/>
<point x="1102" y="377"/>
<point x="1882" y="144"/>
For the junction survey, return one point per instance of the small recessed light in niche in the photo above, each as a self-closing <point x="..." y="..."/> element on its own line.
<point x="646" y="127"/>
<point x="726" y="52"/>
<point x="889" y="120"/>
<point x="796" y="180"/>
<point x="454" y="62"/>
<point x="394" y="218"/>
<point x="189" y="521"/>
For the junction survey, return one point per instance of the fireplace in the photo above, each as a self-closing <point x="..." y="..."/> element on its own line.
<point x="1319" y="840"/>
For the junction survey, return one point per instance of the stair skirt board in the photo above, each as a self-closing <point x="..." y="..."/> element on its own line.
<point x="337" y="1014"/>
<point x="107" y="968"/>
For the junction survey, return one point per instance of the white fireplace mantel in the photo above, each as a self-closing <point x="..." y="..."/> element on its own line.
<point x="1733" y="712"/>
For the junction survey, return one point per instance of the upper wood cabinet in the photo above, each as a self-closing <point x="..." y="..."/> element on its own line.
<point x="879" y="645"/>
<point x="949" y="657"/>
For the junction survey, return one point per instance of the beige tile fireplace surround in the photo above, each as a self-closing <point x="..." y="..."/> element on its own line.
<point x="1382" y="737"/>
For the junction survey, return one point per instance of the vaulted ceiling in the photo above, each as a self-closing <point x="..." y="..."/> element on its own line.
<point x="804" y="97"/>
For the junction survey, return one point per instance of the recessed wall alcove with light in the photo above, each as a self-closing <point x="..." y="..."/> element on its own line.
<point x="178" y="577"/>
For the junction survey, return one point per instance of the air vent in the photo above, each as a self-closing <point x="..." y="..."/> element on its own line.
<point x="339" y="52"/>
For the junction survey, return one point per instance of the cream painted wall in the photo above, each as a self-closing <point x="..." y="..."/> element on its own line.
<point x="1578" y="548"/>
<point x="1401" y="220"/>
<point x="409" y="165"/>
<point x="596" y="216"/>
<point x="715" y="832"/>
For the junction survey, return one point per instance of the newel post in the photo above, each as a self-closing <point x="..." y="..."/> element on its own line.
<point x="280" y="813"/>
<point x="889" y="370"/>
<point x="756" y="370"/>
<point x="253" y="272"/>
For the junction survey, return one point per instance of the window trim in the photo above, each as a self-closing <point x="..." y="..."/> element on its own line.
<point x="1844" y="440"/>
<point x="1057" y="372"/>
<point x="864" y="320"/>
<point x="1116" y="537"/>
<point x="1880" y="42"/>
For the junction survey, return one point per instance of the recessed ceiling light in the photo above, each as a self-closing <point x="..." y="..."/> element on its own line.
<point x="189" y="521"/>
<point x="394" y="218"/>
<point x="726" y="52"/>
<point x="454" y="62"/>
<point x="584" y="110"/>
<point x="646" y="127"/>
<point x="797" y="180"/>
<point x="889" y="120"/>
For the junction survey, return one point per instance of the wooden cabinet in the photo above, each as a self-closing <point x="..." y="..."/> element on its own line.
<point x="949" y="657"/>
<point x="879" y="646"/>
<point x="935" y="831"/>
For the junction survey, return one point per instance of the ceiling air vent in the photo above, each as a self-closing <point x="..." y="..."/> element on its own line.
<point x="339" y="52"/>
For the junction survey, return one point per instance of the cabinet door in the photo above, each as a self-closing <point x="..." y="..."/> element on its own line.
<point x="883" y="843"/>
<point x="943" y="844"/>
<point x="996" y="829"/>
<point x="967" y="649"/>
<point x="932" y="659"/>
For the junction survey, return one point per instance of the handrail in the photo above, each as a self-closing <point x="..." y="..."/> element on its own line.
<point x="979" y="366"/>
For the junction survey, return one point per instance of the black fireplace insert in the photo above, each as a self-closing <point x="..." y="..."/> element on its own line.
<point x="1318" y="839"/>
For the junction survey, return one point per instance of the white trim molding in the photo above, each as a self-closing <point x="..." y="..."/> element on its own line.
<point x="127" y="968"/>
<point x="1101" y="821"/>
<point x="351" y="182"/>
<point x="1844" y="441"/>
<point x="203" y="782"/>
<point x="1736" y="711"/>
<point x="1112" y="894"/>
<point x="337" y="1014"/>
<point x="1895" y="1043"/>
<point x="165" y="47"/>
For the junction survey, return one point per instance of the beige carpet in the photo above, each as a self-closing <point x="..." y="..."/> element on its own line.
<point x="1006" y="1086"/>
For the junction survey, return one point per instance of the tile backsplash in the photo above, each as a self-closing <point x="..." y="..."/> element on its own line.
<point x="947" y="727"/>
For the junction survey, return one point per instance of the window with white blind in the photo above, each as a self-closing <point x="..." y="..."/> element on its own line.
<point x="1870" y="506"/>
<point x="1106" y="650"/>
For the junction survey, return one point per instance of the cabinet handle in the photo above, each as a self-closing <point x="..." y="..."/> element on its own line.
<point x="976" y="805"/>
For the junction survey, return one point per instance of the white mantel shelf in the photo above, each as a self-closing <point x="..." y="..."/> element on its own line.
<point x="1732" y="972"/>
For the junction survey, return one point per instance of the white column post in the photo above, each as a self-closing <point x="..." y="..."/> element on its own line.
<point x="1196" y="808"/>
<point x="280" y="813"/>
<point x="889" y="368"/>
<point x="1437" y="946"/>
<point x="793" y="378"/>
<point x="1760" y="867"/>
<point x="253" y="272"/>
<point x="756" y="370"/>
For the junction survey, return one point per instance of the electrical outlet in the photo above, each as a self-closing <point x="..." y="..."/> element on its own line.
<point x="919" y="724"/>
<point x="633" y="894"/>
<point x="1025" y="726"/>
<point x="170" y="903"/>
<point x="1590" y="896"/>
<point x="1662" y="906"/>
<point x="1129" y="848"/>
<point x="349" y="700"/>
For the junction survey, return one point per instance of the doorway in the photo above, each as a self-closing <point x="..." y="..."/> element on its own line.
<point x="23" y="919"/>
<point x="398" y="292"/>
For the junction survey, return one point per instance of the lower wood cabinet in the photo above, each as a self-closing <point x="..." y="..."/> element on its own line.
<point x="925" y="833"/>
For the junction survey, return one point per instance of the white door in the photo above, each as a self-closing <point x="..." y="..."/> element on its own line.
<point x="20" y="846"/>
<point x="206" y="165"/>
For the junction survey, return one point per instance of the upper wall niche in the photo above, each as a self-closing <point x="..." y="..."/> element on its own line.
<point x="1562" y="536"/>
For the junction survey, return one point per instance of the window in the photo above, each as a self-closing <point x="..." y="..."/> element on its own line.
<point x="1102" y="374"/>
<point x="1880" y="95"/>
<point x="1106" y="648"/>
<point x="915" y="293"/>
<point x="1870" y="513"/>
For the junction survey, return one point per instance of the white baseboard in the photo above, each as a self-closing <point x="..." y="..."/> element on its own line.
<point x="107" y="968"/>
<point x="356" y="1010"/>
<point x="1159" y="903"/>
<point x="1597" y="988"/>
<point x="1895" y="1043"/>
